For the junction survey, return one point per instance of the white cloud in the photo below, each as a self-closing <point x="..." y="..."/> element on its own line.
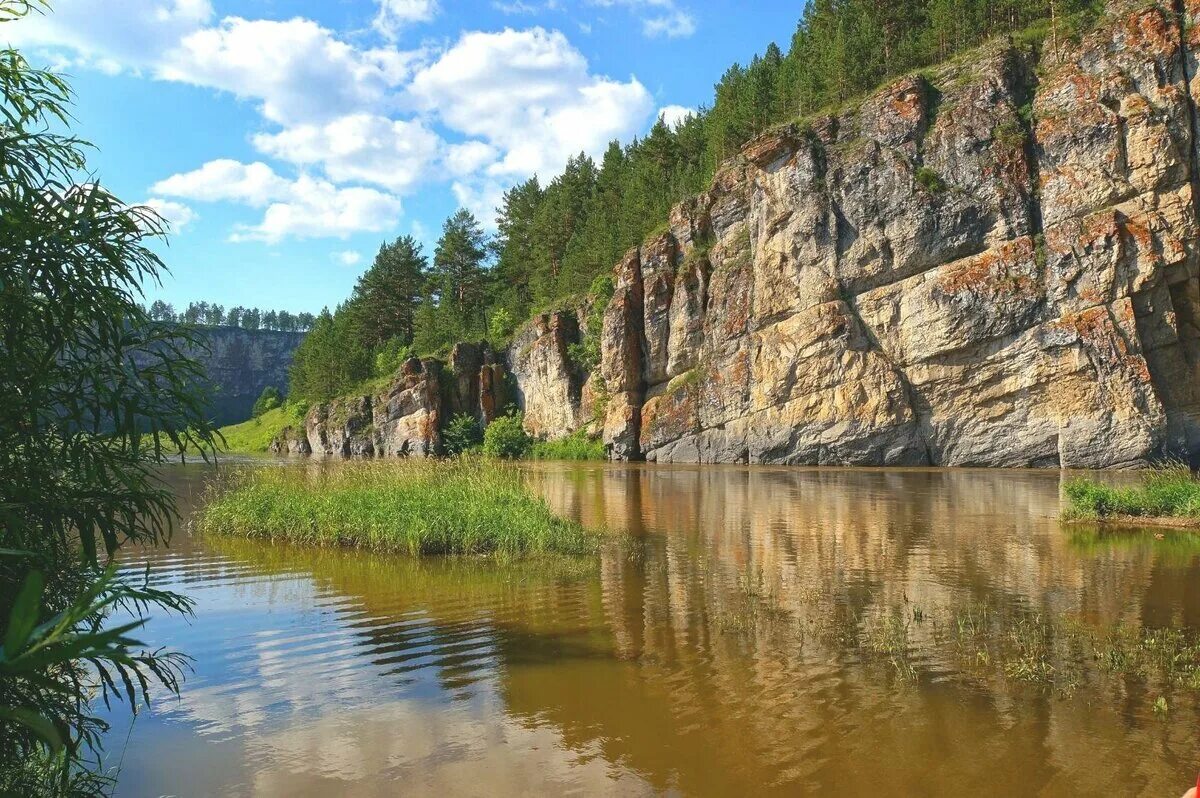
<point x="395" y="14"/>
<point x="125" y="34"/>
<point x="481" y="197"/>
<point x="512" y="103"/>
<point x="530" y="95"/>
<point x="319" y="209"/>
<point x="177" y="215"/>
<point x="299" y="71"/>
<point x="348" y="257"/>
<point x="254" y="184"/>
<point x="303" y="208"/>
<point x="674" y="25"/>
<point x="674" y="114"/>
<point x="659" y="17"/>
<point x="469" y="157"/>
<point x="362" y="148"/>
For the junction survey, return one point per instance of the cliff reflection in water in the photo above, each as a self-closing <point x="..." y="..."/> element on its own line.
<point x="728" y="651"/>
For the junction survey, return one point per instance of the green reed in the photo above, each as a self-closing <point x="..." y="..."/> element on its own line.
<point x="414" y="507"/>
<point x="1171" y="492"/>
<point x="575" y="447"/>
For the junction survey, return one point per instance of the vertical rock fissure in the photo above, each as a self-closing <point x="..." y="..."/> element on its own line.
<point x="1026" y="93"/>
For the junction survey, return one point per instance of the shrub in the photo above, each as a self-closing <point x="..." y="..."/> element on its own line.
<point x="461" y="435"/>
<point x="501" y="325"/>
<point x="390" y="355"/>
<point x="268" y="400"/>
<point x="506" y="437"/>
<point x="929" y="180"/>
<point x="577" y="447"/>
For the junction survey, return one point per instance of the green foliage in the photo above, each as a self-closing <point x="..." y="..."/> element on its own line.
<point x="462" y="435"/>
<point x="97" y="396"/>
<point x="585" y="355"/>
<point x="331" y="359"/>
<point x="579" y="446"/>
<point x="1171" y="492"/>
<point x="413" y="507"/>
<point x="390" y="356"/>
<point x="501" y="326"/>
<point x="255" y="436"/>
<point x="269" y="399"/>
<point x="505" y="437"/>
<point x="929" y="180"/>
<point x="389" y="294"/>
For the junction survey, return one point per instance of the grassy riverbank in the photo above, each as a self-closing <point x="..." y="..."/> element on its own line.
<point x="414" y="507"/>
<point x="1168" y="495"/>
<point x="255" y="436"/>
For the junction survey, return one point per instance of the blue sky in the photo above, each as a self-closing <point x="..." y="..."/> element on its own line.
<point x="286" y="139"/>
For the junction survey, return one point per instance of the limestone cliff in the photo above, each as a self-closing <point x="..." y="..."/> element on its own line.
<point x="993" y="263"/>
<point x="240" y="364"/>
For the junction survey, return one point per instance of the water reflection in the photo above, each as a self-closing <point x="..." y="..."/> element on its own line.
<point x="681" y="665"/>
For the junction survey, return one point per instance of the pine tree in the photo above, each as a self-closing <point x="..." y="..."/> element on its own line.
<point x="458" y="281"/>
<point x="389" y="293"/>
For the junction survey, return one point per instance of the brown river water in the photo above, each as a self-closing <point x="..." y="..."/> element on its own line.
<point x="771" y="631"/>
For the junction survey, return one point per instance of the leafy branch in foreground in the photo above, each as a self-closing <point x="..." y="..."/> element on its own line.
<point x="96" y="396"/>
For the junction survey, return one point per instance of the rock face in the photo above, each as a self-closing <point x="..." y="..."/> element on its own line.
<point x="549" y="387"/>
<point x="241" y="363"/>
<point x="931" y="278"/>
<point x="406" y="418"/>
<point x="993" y="264"/>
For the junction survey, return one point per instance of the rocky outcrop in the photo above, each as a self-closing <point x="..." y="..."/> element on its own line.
<point x="978" y="267"/>
<point x="549" y="385"/>
<point x="991" y="264"/>
<point x="404" y="419"/>
<point x="240" y="364"/>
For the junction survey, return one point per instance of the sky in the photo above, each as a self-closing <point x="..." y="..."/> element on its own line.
<point x="285" y="140"/>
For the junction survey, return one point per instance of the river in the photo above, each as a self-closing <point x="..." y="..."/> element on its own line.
<point x="771" y="631"/>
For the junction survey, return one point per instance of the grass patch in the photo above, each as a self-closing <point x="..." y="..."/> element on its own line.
<point x="1171" y="492"/>
<point x="415" y="507"/>
<point x="577" y="447"/>
<point x="255" y="435"/>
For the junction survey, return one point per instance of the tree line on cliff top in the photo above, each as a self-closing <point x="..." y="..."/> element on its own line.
<point x="211" y="314"/>
<point x="556" y="242"/>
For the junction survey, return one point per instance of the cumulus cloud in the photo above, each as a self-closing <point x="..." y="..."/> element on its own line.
<point x="128" y="35"/>
<point x="530" y="95"/>
<point x="319" y="209"/>
<point x="176" y="214"/>
<point x="365" y="148"/>
<point x="348" y="257"/>
<point x="672" y="115"/>
<point x="393" y="15"/>
<point x="297" y="70"/>
<point x="306" y="207"/>
<point x="254" y="184"/>
<point x="480" y="113"/>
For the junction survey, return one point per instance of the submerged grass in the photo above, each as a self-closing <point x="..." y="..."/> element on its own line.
<point x="417" y="507"/>
<point x="1166" y="493"/>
